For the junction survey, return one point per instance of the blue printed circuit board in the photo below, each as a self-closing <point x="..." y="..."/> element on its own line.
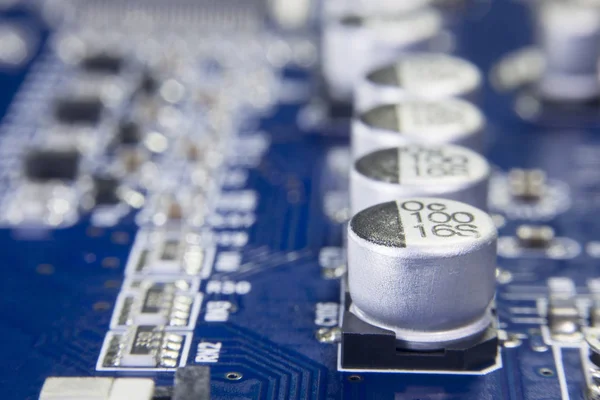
<point x="209" y="178"/>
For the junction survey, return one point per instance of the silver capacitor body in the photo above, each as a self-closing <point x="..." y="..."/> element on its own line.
<point x="449" y="121"/>
<point x="447" y="171"/>
<point x="568" y="34"/>
<point x="418" y="76"/>
<point x="423" y="268"/>
<point x="364" y="8"/>
<point x="353" y="45"/>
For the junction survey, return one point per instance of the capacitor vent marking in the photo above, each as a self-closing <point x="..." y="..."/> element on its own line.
<point x="423" y="268"/>
<point x="451" y="172"/>
<point x="449" y="121"/>
<point x="367" y="225"/>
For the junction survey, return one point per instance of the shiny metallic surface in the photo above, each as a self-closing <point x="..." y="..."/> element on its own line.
<point x="419" y="76"/>
<point x="423" y="268"/>
<point x="569" y="36"/>
<point x="353" y="45"/>
<point x="364" y="8"/>
<point x="450" y="172"/>
<point x="450" y="121"/>
<point x="329" y="335"/>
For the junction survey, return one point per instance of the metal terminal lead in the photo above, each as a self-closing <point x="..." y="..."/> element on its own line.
<point x="329" y="335"/>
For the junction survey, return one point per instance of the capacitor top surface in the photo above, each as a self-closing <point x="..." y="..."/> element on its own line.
<point x="364" y="8"/>
<point x="448" y="171"/>
<point x="422" y="76"/>
<point x="450" y="121"/>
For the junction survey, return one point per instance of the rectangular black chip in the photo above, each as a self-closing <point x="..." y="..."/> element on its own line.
<point x="80" y="111"/>
<point x="47" y="165"/>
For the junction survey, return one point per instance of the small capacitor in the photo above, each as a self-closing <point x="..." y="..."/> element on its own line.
<point x="568" y="34"/>
<point x="450" y="121"/>
<point x="418" y="76"/>
<point x="423" y="268"/>
<point x="564" y="319"/>
<point x="450" y="172"/>
<point x="352" y="45"/>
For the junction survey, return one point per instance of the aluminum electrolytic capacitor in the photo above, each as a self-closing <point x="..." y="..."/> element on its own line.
<point x="449" y="121"/>
<point x="366" y="8"/>
<point x="447" y="171"/>
<point x="424" y="268"/>
<point x="568" y="34"/>
<point x="353" y="45"/>
<point x="418" y="76"/>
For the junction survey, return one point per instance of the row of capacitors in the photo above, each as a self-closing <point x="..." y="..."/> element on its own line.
<point x="421" y="247"/>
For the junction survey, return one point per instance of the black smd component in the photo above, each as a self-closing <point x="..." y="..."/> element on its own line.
<point x="148" y="84"/>
<point x="103" y="63"/>
<point x="105" y="188"/>
<point x="365" y="346"/>
<point x="47" y="165"/>
<point x="84" y="111"/>
<point x="192" y="382"/>
<point x="163" y="393"/>
<point x="128" y="132"/>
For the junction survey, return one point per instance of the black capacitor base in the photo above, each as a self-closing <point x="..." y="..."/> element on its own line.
<point x="365" y="346"/>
